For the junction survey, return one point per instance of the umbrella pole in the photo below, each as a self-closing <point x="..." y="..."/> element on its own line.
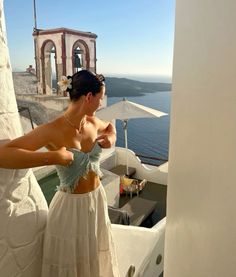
<point x="125" y="122"/>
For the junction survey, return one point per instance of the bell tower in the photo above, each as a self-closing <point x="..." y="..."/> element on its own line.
<point x="60" y="52"/>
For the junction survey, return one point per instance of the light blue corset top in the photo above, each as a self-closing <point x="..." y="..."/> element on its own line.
<point x="81" y="165"/>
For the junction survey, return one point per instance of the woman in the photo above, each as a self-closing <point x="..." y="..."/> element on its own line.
<point x="78" y="239"/>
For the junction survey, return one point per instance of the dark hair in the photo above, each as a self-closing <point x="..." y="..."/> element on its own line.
<point x="83" y="82"/>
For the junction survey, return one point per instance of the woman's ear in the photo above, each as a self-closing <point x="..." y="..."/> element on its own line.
<point x="88" y="97"/>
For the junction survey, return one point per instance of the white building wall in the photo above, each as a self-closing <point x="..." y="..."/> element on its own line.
<point x="201" y="214"/>
<point x="23" y="208"/>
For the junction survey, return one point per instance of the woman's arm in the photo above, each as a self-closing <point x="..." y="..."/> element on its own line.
<point x="21" y="152"/>
<point x="106" y="133"/>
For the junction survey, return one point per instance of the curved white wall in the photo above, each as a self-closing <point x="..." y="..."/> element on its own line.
<point x="23" y="208"/>
<point x="139" y="247"/>
<point x="156" y="174"/>
<point x="201" y="214"/>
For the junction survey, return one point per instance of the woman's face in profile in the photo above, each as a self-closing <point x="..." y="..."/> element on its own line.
<point x="96" y="101"/>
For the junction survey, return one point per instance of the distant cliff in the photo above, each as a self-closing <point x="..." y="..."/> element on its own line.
<point x="115" y="87"/>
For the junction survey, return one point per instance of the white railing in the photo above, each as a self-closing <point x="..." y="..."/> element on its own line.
<point x="119" y="155"/>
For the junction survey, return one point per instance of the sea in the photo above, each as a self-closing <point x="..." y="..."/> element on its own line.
<point x="147" y="136"/>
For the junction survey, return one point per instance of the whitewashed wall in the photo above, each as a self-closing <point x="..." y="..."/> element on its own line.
<point x="23" y="208"/>
<point x="201" y="213"/>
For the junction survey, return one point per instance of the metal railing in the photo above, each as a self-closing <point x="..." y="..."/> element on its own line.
<point x="161" y="160"/>
<point x="21" y="109"/>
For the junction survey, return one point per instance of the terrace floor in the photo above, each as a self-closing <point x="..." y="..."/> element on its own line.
<point x="155" y="192"/>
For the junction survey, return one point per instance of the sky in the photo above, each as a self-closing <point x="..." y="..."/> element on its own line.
<point x="135" y="37"/>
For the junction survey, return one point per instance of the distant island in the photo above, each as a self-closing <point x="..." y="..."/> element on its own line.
<point x="119" y="87"/>
<point x="115" y="87"/>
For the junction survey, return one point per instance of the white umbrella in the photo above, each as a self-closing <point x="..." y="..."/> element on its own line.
<point x="125" y="110"/>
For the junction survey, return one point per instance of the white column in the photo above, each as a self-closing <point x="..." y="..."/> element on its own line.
<point x="201" y="213"/>
<point x="23" y="208"/>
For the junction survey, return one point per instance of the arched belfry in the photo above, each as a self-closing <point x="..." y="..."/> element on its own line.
<point x="60" y="52"/>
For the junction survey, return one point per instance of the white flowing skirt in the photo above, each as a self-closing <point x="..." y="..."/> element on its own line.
<point x="78" y="240"/>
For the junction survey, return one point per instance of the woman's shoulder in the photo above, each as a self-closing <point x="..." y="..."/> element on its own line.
<point x="97" y="122"/>
<point x="92" y="119"/>
<point x="48" y="126"/>
<point x="52" y="131"/>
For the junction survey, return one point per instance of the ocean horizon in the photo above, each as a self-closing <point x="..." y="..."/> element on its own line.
<point x="143" y="78"/>
<point x="147" y="136"/>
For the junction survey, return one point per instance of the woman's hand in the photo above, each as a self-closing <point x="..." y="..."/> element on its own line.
<point x="64" y="157"/>
<point x="106" y="133"/>
<point x="104" y="141"/>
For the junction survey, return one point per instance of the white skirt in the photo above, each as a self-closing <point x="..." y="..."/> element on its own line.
<point x="78" y="240"/>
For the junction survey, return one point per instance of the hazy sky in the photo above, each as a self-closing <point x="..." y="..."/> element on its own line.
<point x="134" y="36"/>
